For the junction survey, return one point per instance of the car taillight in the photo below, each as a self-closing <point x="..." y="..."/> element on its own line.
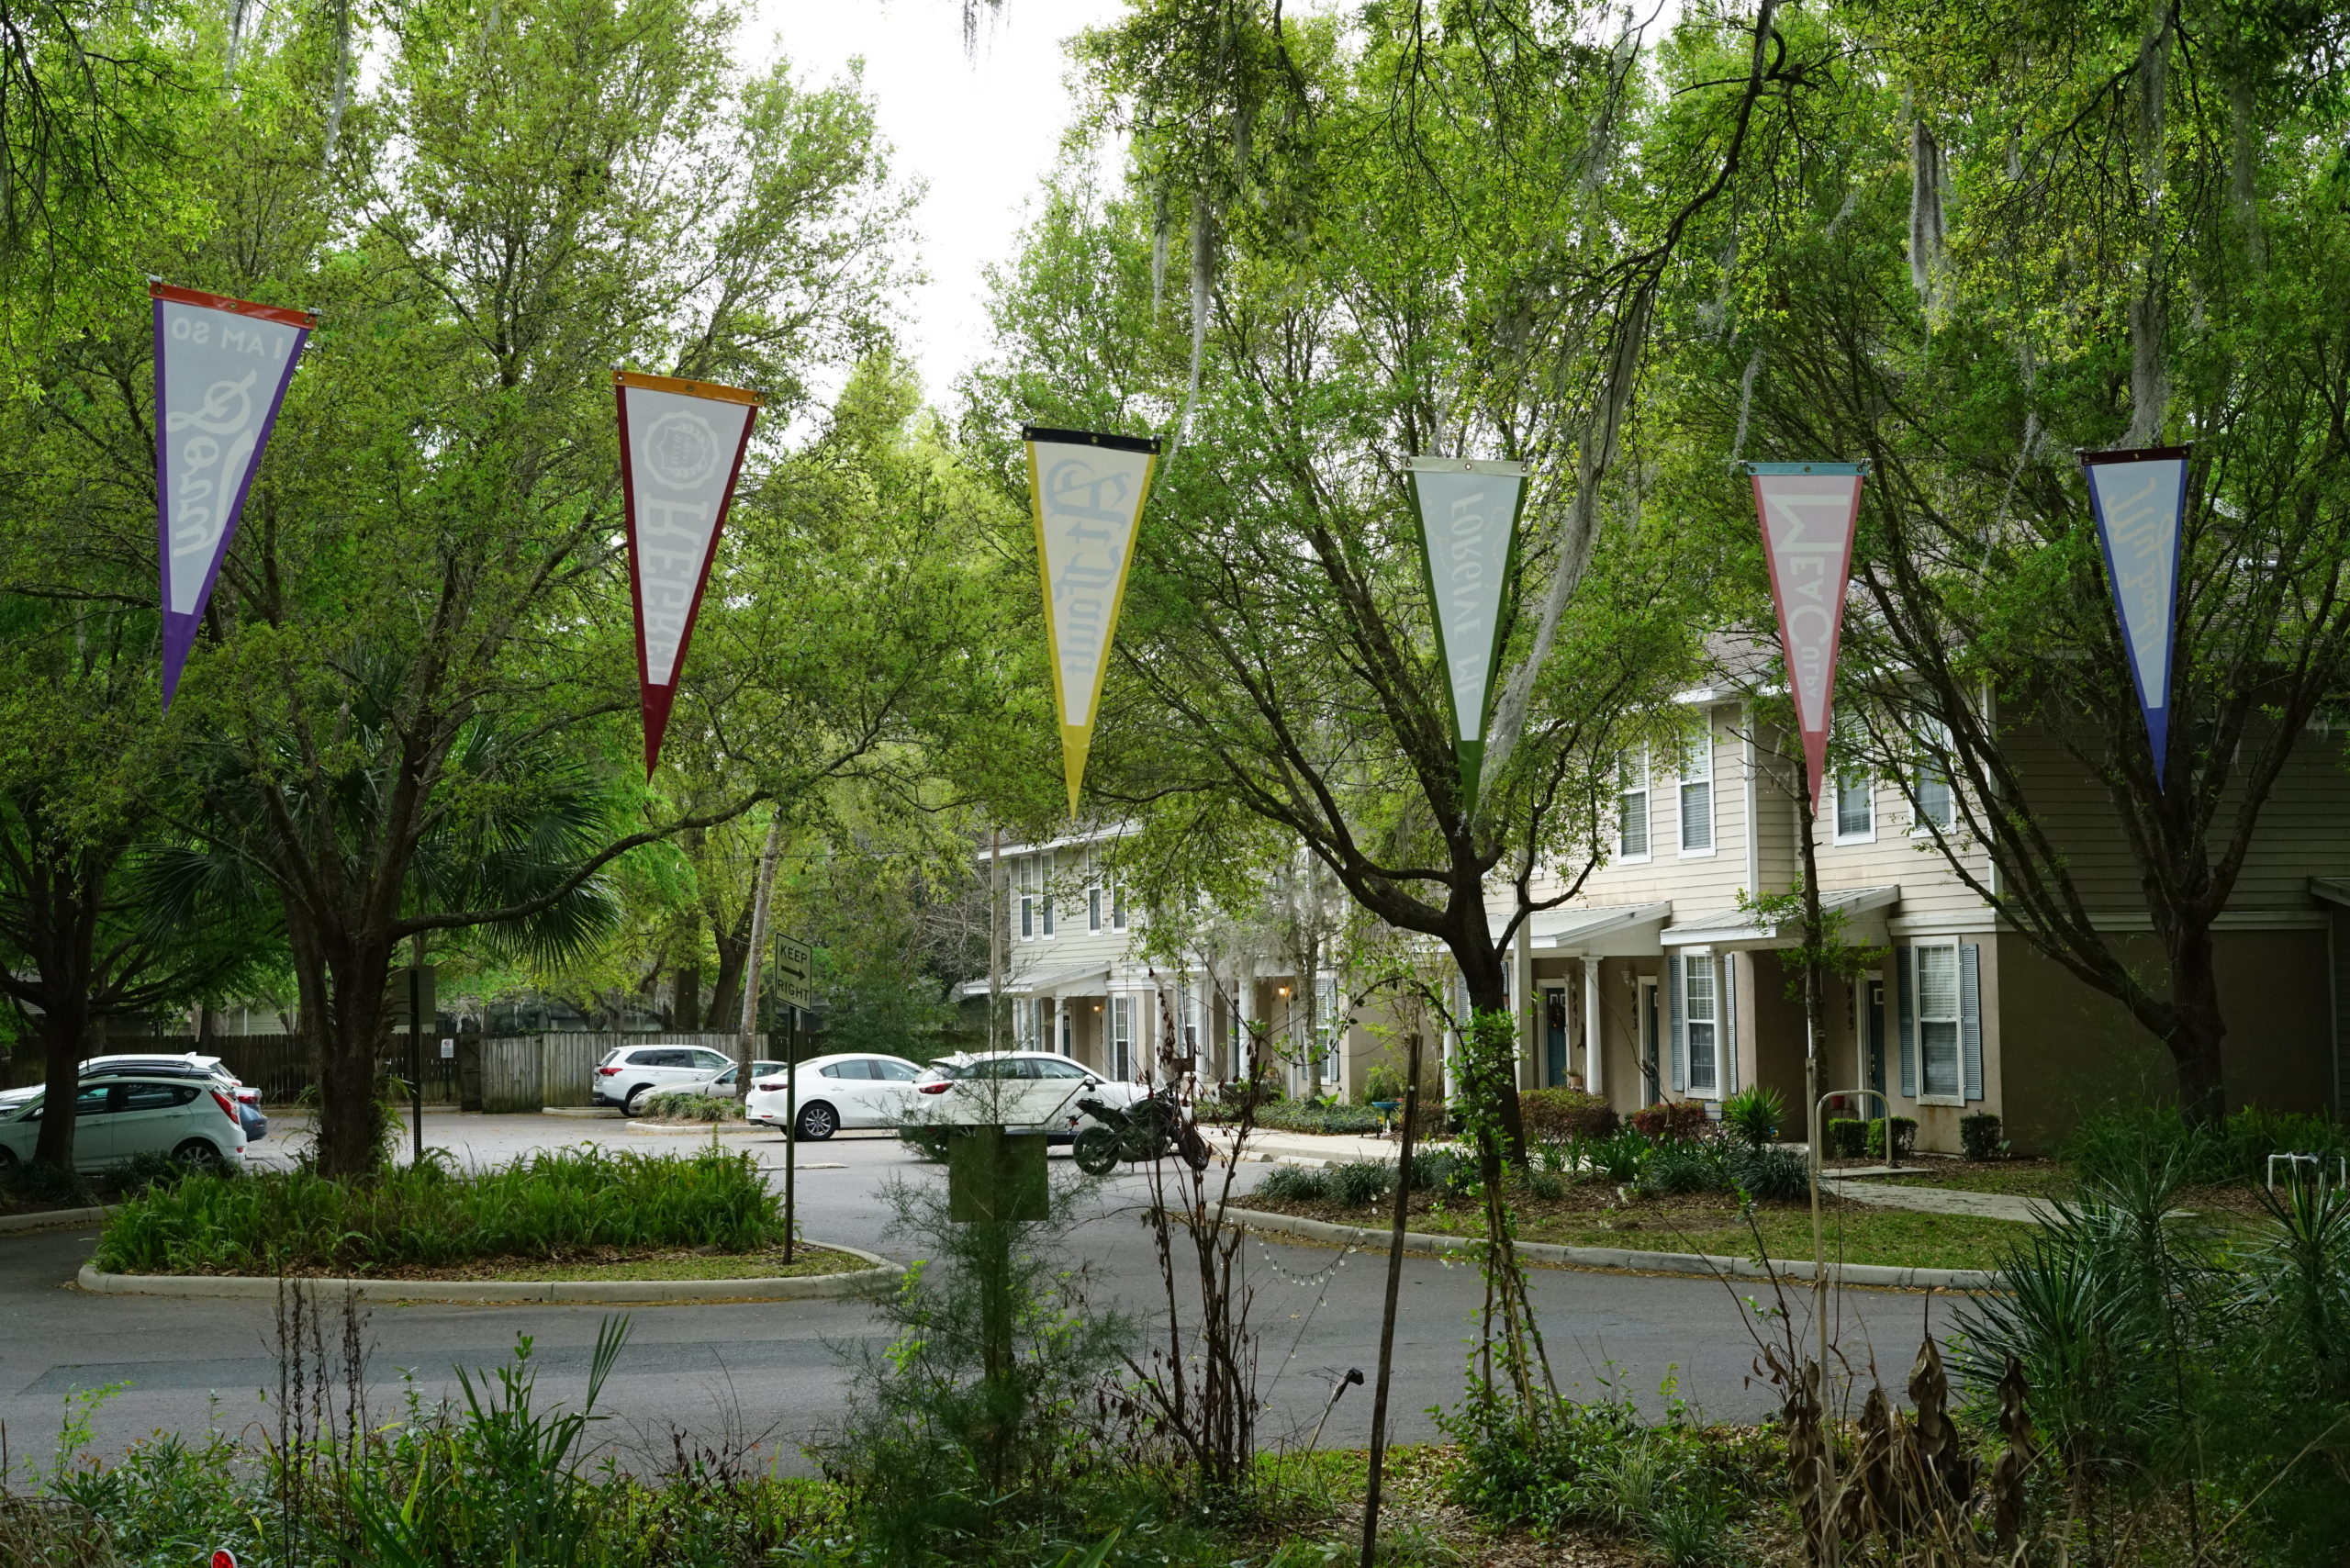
<point x="608" y="1072"/>
<point x="768" y="1086"/>
<point x="227" y="1106"/>
<point x="936" y="1088"/>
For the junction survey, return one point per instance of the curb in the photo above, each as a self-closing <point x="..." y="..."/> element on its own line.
<point x="1703" y="1265"/>
<point x="799" y="1287"/>
<point x="47" y="1218"/>
<point x="600" y="1113"/>
<point x="700" y="1129"/>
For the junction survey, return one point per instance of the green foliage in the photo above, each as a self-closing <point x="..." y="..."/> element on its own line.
<point x="1847" y="1137"/>
<point x="1296" y="1183"/>
<point x="1560" y="1114"/>
<point x="2155" y="1357"/>
<point x="2109" y="1144"/>
<point x="1754" y="1115"/>
<point x="1325" y="1117"/>
<point x="1383" y="1084"/>
<point x="1672" y="1121"/>
<point x="1774" y="1175"/>
<point x="1620" y="1158"/>
<point x="684" y="1106"/>
<point x="1668" y="1485"/>
<point x="1679" y="1167"/>
<point x="548" y="1205"/>
<point x="981" y="1431"/>
<point x="1982" y="1137"/>
<point x="1905" y="1138"/>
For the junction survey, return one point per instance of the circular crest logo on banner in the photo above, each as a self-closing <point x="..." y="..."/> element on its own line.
<point x="681" y="450"/>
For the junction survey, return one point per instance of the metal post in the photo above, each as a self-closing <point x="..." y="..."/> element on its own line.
<point x="416" y="1044"/>
<point x="1395" y="1285"/>
<point x="1815" y="937"/>
<point x="791" y="1123"/>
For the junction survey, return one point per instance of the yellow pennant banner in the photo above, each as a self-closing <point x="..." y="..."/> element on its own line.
<point x="1088" y="491"/>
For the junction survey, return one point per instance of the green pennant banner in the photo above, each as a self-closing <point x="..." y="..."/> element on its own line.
<point x="1468" y="510"/>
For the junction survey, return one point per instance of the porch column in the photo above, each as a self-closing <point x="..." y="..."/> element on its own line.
<point x="1056" y="1044"/>
<point x="1593" y="1079"/>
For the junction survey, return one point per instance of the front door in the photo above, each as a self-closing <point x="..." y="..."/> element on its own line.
<point x="1876" y="1023"/>
<point x="1554" y="1036"/>
<point x="1651" y="1026"/>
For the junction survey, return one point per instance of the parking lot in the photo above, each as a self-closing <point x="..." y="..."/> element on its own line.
<point x="780" y="1370"/>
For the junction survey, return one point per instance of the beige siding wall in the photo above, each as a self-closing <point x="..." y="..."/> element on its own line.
<point x="2303" y="831"/>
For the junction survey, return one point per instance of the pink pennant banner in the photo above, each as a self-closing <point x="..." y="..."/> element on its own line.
<point x="1808" y="512"/>
<point x="681" y="453"/>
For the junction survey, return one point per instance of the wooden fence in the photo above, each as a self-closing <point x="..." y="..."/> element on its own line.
<point x="528" y="1072"/>
<point x="515" y="1072"/>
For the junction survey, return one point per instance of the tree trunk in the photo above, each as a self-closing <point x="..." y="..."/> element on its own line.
<point x="685" y="1007"/>
<point x="2197" y="1028"/>
<point x="1482" y="971"/>
<point x="351" y="1030"/>
<point x="734" y="949"/>
<point x="62" y="1026"/>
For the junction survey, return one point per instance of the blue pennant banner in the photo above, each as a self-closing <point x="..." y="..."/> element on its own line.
<point x="2140" y="498"/>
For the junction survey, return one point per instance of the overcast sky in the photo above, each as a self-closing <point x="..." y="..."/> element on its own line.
<point x="980" y="131"/>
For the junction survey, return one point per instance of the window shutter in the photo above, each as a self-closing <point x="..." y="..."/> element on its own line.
<point x="1970" y="1019"/>
<point x="1675" y="1027"/>
<point x="1904" y="987"/>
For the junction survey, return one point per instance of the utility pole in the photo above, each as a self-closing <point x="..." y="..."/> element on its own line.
<point x="415" y="1045"/>
<point x="995" y="928"/>
<point x="745" y="1049"/>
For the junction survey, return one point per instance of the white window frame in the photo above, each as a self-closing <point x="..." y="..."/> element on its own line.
<point x="1093" y="909"/>
<point x="1024" y="874"/>
<point x="1927" y="1093"/>
<point x="1117" y="906"/>
<point x="1855" y="778"/>
<point x="1326" y="1020"/>
<point x="1921" y="768"/>
<point x="1627" y="790"/>
<point x="1046" y="892"/>
<point x="1693" y="967"/>
<point x="1122" y="1038"/>
<point x="1696" y="751"/>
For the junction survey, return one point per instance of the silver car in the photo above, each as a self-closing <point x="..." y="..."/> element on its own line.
<point x="122" y="1116"/>
<point x="1034" y="1091"/>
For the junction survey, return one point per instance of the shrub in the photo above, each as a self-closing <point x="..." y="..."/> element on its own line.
<point x="1313" y="1116"/>
<point x="1981" y="1136"/>
<point x="1620" y="1158"/>
<point x="1383" y="1084"/>
<point x="1775" y="1175"/>
<point x="1672" y="1121"/>
<point x="1442" y="1172"/>
<point x="553" y="1204"/>
<point x="1684" y="1168"/>
<point x="1296" y="1183"/>
<point x="1905" y="1138"/>
<point x="684" y="1106"/>
<point x="1558" y="1114"/>
<point x="1754" y="1113"/>
<point x="1847" y="1137"/>
<point x="1358" y="1183"/>
<point x="2109" y="1144"/>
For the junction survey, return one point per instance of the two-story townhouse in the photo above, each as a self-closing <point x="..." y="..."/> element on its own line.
<point x="1075" y="980"/>
<point x="1654" y="982"/>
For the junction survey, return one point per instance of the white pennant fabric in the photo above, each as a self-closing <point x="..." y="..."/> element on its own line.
<point x="681" y="452"/>
<point x="1087" y="490"/>
<point x="2140" y="499"/>
<point x="1810" y="512"/>
<point x="1468" y="513"/>
<point x="221" y="369"/>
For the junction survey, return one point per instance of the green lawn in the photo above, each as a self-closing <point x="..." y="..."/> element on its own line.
<point x="1856" y="1234"/>
<point x="738" y="1266"/>
<point x="2021" y="1178"/>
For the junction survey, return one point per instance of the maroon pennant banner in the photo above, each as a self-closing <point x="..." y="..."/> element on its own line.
<point x="681" y="453"/>
<point x="1808" y="512"/>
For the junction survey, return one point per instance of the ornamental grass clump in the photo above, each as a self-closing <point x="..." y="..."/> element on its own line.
<point x="553" y="1205"/>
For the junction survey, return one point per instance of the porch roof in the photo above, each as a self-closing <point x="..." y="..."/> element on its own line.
<point x="1734" y="930"/>
<point x="1603" y="930"/>
<point x="1045" y="983"/>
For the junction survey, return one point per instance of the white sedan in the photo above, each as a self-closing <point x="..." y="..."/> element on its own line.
<point x="123" y="1117"/>
<point x="1034" y="1092"/>
<point x="852" y="1089"/>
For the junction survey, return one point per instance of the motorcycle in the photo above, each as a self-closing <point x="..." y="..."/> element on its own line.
<point x="1147" y="1129"/>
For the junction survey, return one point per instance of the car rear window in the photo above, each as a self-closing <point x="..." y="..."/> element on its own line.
<point x="612" y="1056"/>
<point x="156" y="1096"/>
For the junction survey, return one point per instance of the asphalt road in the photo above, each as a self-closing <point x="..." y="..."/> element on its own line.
<point x="777" y="1374"/>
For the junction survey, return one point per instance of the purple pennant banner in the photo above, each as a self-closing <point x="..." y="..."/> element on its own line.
<point x="2140" y="498"/>
<point x="221" y="369"/>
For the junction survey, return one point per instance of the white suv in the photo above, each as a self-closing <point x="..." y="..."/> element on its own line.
<point x="629" y="1074"/>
